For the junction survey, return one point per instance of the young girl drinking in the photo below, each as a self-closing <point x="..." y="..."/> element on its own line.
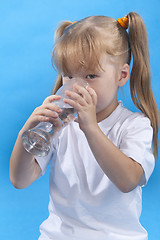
<point x="99" y="162"/>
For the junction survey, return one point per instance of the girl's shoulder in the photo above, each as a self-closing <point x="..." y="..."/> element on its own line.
<point x="122" y="118"/>
<point x="133" y="119"/>
<point x="135" y="127"/>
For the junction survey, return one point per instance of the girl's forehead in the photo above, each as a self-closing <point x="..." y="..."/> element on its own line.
<point x="83" y="72"/>
<point x="79" y="64"/>
<point x="88" y="66"/>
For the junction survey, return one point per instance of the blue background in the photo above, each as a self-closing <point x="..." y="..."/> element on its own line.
<point x="27" y="77"/>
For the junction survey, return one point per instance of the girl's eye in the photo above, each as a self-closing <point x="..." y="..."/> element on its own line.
<point x="67" y="77"/>
<point x="91" y="76"/>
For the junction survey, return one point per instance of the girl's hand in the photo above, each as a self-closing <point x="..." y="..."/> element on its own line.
<point x="84" y="100"/>
<point x="47" y="112"/>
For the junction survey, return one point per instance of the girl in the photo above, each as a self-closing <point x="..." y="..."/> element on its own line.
<point x="98" y="163"/>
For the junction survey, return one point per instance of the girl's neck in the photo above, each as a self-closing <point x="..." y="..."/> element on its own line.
<point x="107" y="111"/>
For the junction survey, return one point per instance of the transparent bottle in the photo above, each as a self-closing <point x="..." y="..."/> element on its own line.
<point x="37" y="140"/>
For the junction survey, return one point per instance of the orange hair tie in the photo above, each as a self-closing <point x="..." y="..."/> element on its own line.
<point x="74" y="22"/>
<point x="123" y="22"/>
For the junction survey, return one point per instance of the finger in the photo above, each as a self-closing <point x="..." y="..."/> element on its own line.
<point x="83" y="92"/>
<point x="75" y="104"/>
<point x="40" y="118"/>
<point x="47" y="113"/>
<point x="92" y="94"/>
<point x="52" y="107"/>
<point x="74" y="96"/>
<point x="51" y="98"/>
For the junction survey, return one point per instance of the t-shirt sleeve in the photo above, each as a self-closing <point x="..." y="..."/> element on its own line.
<point x="136" y="143"/>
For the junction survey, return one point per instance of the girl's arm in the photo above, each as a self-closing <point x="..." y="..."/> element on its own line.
<point x="123" y="171"/>
<point x="24" y="169"/>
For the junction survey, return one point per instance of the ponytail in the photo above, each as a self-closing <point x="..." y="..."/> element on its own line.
<point x="59" y="32"/>
<point x="140" y="79"/>
<point x="61" y="29"/>
<point x="58" y="84"/>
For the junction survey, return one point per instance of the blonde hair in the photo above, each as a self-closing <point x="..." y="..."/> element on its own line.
<point x="80" y="46"/>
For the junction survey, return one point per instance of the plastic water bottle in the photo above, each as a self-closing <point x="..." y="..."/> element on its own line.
<point x="37" y="140"/>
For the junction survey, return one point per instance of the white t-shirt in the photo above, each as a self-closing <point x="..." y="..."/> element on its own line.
<point x="84" y="203"/>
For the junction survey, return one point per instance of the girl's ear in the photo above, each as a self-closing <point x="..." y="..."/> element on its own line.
<point x="124" y="75"/>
